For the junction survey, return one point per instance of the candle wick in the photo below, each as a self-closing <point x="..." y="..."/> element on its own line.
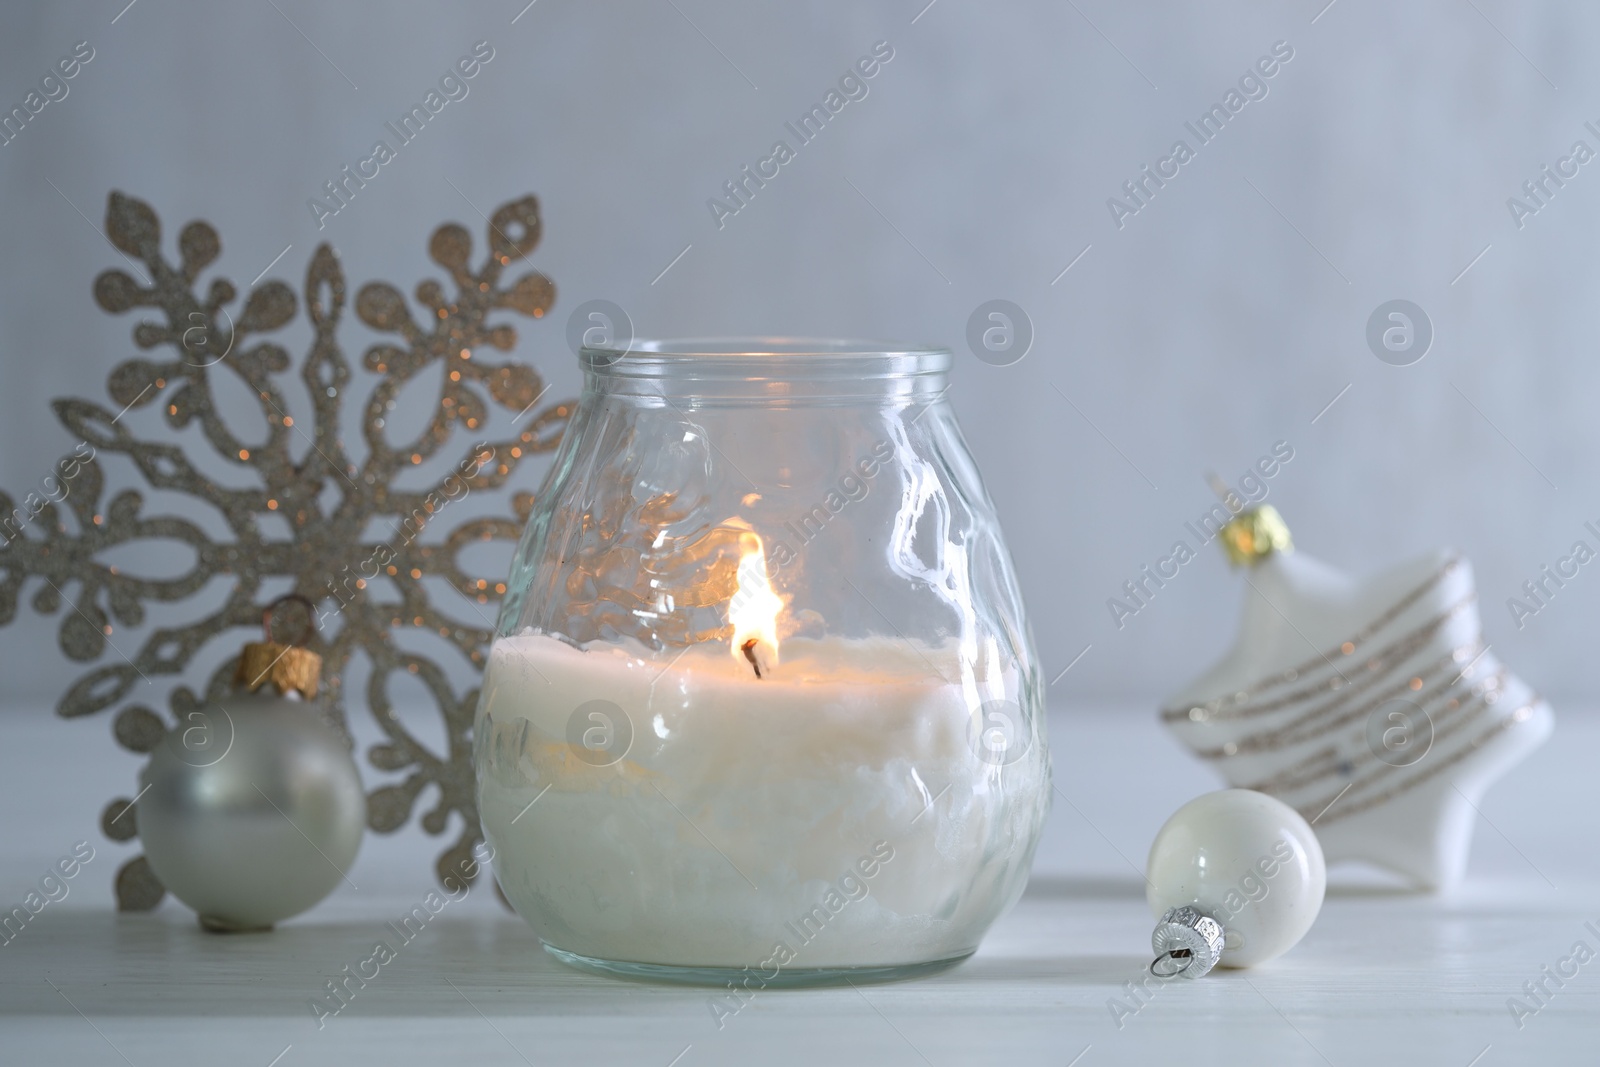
<point x="749" y="650"/>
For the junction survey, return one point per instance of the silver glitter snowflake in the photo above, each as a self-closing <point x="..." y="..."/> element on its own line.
<point x="366" y="589"/>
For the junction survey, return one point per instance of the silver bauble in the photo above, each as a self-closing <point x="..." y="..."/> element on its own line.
<point x="252" y="810"/>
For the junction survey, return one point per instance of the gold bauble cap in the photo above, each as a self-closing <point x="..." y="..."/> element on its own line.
<point x="286" y="667"/>
<point x="1254" y="534"/>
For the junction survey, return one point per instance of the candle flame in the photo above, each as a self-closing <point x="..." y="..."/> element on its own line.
<point x="754" y="609"/>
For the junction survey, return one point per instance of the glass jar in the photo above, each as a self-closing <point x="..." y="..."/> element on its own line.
<point x="763" y="705"/>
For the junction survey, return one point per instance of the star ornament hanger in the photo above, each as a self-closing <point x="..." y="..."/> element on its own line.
<point x="1371" y="705"/>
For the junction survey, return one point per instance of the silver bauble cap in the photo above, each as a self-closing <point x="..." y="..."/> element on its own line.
<point x="1187" y="942"/>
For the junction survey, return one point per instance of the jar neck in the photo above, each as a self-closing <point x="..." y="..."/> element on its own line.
<point x="768" y="370"/>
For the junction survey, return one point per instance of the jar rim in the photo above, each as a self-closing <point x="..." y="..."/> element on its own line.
<point x="801" y="357"/>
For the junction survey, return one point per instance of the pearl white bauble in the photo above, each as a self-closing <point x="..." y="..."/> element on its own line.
<point x="251" y="810"/>
<point x="1247" y="860"/>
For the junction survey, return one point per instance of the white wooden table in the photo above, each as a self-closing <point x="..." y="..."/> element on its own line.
<point x="1385" y="977"/>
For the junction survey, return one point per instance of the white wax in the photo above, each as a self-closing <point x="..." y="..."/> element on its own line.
<point x="851" y="749"/>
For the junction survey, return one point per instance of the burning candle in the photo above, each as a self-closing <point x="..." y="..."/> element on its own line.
<point x="802" y="744"/>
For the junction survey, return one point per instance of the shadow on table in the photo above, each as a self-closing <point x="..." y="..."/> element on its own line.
<point x="1099" y="971"/>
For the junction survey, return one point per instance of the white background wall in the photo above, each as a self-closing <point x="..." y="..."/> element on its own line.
<point x="1220" y="319"/>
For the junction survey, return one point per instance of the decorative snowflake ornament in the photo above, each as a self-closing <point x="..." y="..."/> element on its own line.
<point x="332" y="498"/>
